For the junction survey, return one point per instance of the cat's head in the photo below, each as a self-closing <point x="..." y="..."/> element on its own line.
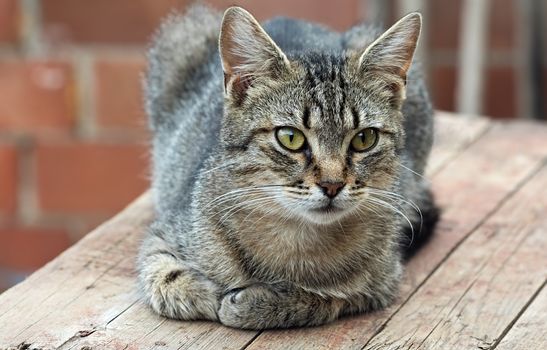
<point x="310" y="135"/>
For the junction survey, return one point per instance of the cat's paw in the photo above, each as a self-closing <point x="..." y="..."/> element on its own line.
<point x="248" y="308"/>
<point x="186" y="295"/>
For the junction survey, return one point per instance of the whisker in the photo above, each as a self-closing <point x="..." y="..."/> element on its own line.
<point x="389" y="206"/>
<point x="231" y="211"/>
<point x="217" y="167"/>
<point x="239" y="191"/>
<point x="399" y="197"/>
<point x="412" y="171"/>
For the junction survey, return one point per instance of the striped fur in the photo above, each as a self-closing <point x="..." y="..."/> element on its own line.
<point x="242" y="235"/>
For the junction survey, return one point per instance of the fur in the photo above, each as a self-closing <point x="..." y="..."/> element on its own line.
<point x="241" y="234"/>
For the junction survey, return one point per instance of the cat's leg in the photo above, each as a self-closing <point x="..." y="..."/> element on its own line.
<point x="171" y="286"/>
<point x="261" y="306"/>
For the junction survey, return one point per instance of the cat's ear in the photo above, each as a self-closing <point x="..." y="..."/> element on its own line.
<point x="247" y="52"/>
<point x="393" y="51"/>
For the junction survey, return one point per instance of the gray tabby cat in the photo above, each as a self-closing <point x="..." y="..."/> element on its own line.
<point x="287" y="168"/>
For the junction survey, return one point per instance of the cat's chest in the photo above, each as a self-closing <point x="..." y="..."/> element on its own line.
<point x="307" y="255"/>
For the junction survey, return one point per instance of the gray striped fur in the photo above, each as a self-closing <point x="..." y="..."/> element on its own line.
<point x="237" y="238"/>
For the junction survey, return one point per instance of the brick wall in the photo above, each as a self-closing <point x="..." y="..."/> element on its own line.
<point x="73" y="146"/>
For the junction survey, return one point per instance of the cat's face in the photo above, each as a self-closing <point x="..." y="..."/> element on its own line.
<point x="316" y="136"/>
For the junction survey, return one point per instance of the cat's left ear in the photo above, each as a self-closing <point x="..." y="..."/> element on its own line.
<point x="393" y="51"/>
<point x="247" y="52"/>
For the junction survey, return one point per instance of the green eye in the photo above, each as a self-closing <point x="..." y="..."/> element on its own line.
<point x="365" y="140"/>
<point x="290" y="138"/>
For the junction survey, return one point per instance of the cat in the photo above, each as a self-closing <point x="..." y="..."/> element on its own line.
<point x="287" y="168"/>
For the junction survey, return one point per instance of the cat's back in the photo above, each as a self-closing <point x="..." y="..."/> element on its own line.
<point x="183" y="101"/>
<point x="183" y="57"/>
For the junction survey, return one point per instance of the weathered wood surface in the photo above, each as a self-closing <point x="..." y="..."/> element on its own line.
<point x="480" y="283"/>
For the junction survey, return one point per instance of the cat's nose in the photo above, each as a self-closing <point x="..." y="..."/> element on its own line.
<point x="331" y="189"/>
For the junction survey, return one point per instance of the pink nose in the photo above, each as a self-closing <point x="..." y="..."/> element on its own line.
<point x="331" y="189"/>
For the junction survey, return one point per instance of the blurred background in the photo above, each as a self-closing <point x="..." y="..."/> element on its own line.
<point x="73" y="141"/>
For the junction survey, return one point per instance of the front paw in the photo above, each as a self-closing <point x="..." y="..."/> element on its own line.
<point x="248" y="308"/>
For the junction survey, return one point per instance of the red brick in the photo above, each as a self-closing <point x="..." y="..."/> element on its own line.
<point x="444" y="24"/>
<point x="8" y="179"/>
<point x="132" y="21"/>
<point x="119" y="92"/>
<point x="29" y="248"/>
<point x="36" y="96"/>
<point x="339" y="15"/>
<point x="9" y="21"/>
<point x="502" y="24"/>
<point x="104" y="21"/>
<point x="500" y="92"/>
<point x="443" y="87"/>
<point x="89" y="177"/>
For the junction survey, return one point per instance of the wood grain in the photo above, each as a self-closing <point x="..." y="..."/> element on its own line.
<point x="84" y="287"/>
<point x="468" y="189"/>
<point x="530" y="330"/>
<point x="479" y="290"/>
<point x="469" y="286"/>
<point x="452" y="136"/>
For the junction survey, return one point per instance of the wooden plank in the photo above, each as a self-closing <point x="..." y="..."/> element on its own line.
<point x="468" y="189"/>
<point x="75" y="300"/>
<point x="173" y="335"/>
<point x="139" y="328"/>
<point x="453" y="135"/>
<point x="471" y="299"/>
<point x="99" y="271"/>
<point x="530" y="331"/>
<point x="87" y="259"/>
<point x="86" y="296"/>
<point x="72" y="279"/>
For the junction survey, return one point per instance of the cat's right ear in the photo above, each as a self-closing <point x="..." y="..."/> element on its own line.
<point x="247" y="53"/>
<point x="393" y="51"/>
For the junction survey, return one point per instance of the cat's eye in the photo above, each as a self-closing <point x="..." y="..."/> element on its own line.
<point x="290" y="138"/>
<point x="364" y="140"/>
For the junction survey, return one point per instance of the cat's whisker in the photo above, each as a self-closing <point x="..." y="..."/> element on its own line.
<point x="244" y="192"/>
<point x="241" y="206"/>
<point x="240" y="191"/>
<point x="217" y="168"/>
<point x="395" y="196"/>
<point x="268" y="212"/>
<point x="373" y="209"/>
<point x="388" y="194"/>
<point x="412" y="171"/>
<point x="232" y="197"/>
<point x="243" y="203"/>
<point x="384" y="203"/>
<point x="234" y="210"/>
<point x="363" y="214"/>
<point x="289" y="212"/>
<point x="341" y="227"/>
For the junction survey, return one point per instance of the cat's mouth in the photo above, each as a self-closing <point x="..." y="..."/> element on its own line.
<point x="325" y="214"/>
<point x="327" y="209"/>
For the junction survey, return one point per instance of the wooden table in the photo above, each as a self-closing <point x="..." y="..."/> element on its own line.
<point x="479" y="284"/>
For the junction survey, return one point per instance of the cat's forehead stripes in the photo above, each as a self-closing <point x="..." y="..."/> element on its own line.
<point x="355" y="116"/>
<point x="326" y="88"/>
<point x="306" y="117"/>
